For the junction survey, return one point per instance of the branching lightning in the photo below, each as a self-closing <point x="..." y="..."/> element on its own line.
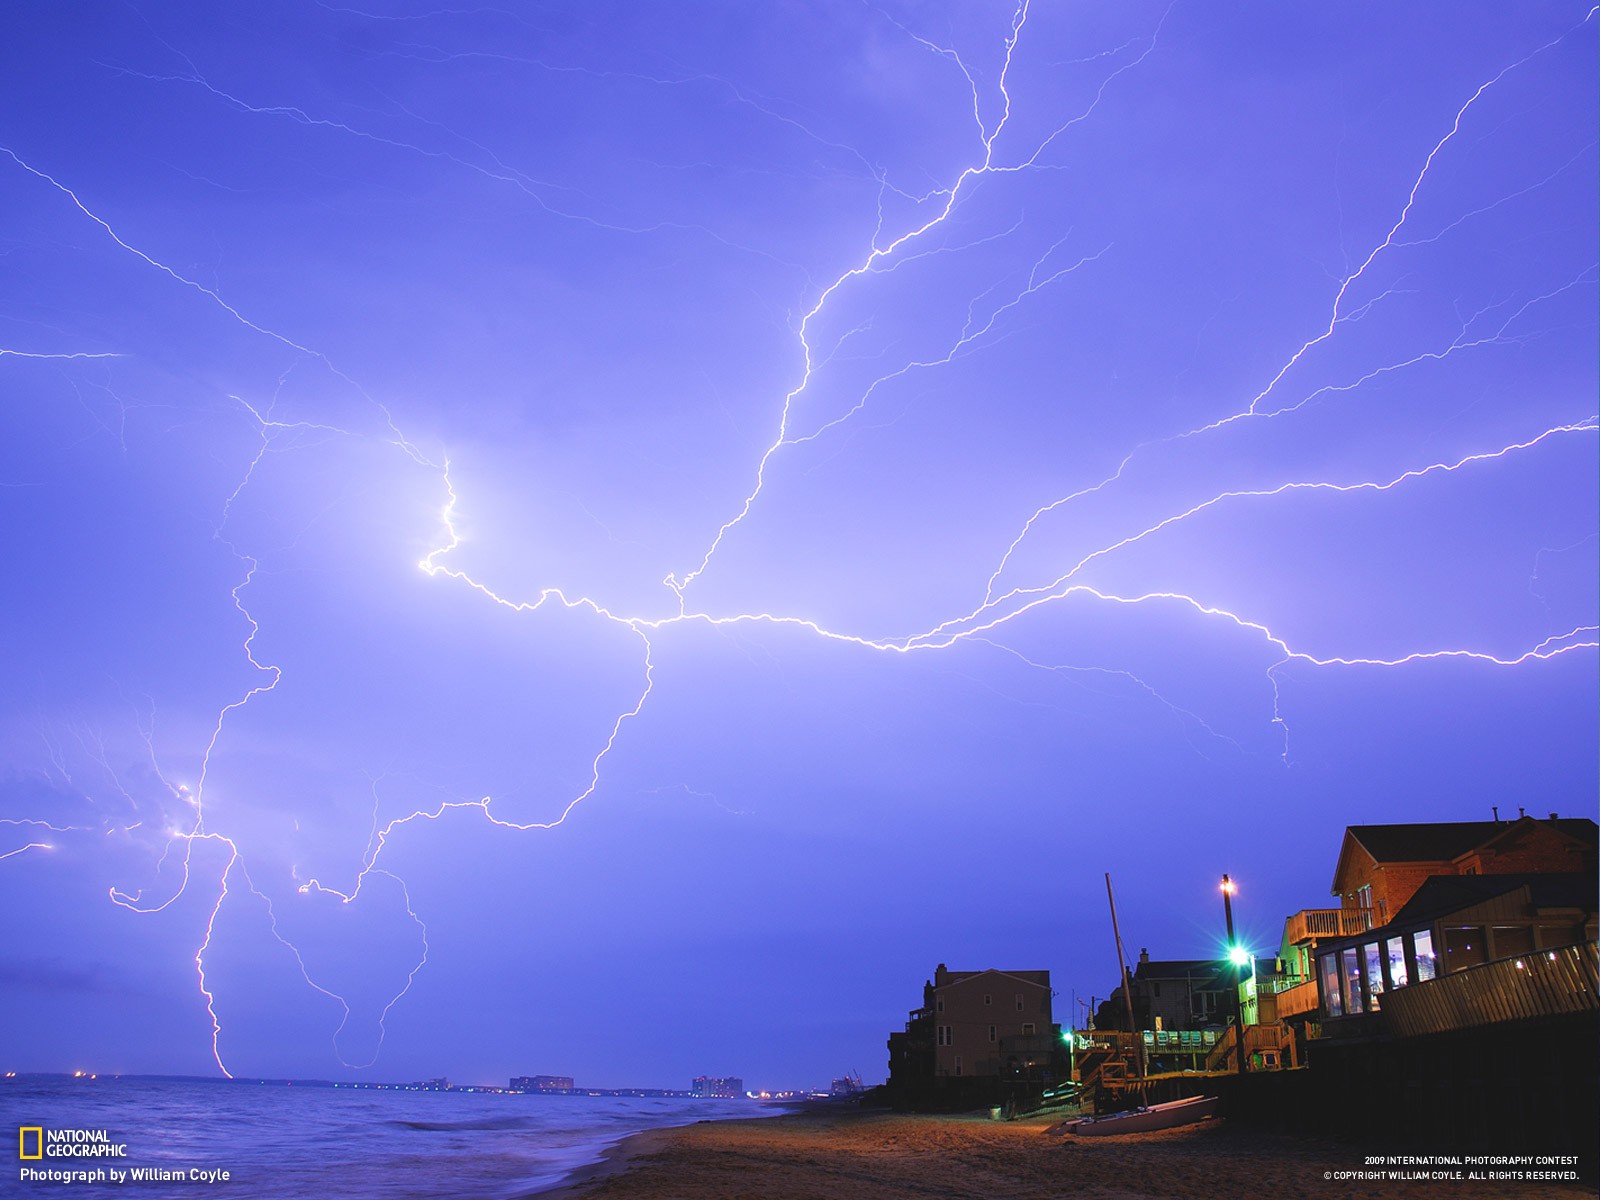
<point x="1001" y="605"/>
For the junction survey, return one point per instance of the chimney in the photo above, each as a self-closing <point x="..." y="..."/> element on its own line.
<point x="1495" y="809"/>
<point x="1144" y="955"/>
<point x="1553" y="817"/>
<point x="1521" y="812"/>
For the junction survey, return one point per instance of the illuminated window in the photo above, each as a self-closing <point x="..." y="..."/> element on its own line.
<point x="1422" y="948"/>
<point x="1330" y="985"/>
<point x="1351" y="963"/>
<point x="1397" y="961"/>
<point x="1374" y="962"/>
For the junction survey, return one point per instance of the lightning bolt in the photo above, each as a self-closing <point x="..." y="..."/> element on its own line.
<point x="59" y="356"/>
<point x="25" y="849"/>
<point x="884" y="251"/>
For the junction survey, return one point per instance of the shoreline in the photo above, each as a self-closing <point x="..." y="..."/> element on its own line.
<point x="878" y="1155"/>
<point x="616" y="1155"/>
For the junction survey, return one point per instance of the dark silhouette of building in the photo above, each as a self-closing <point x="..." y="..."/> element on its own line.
<point x="979" y="1037"/>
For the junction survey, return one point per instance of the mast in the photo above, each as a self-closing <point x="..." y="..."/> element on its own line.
<point x="1127" y="984"/>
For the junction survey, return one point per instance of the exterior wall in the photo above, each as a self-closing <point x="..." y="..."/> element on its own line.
<point x="1183" y="999"/>
<point x="1173" y="1001"/>
<point x="967" y="1008"/>
<point x="1538" y="848"/>
<point x="1392" y="883"/>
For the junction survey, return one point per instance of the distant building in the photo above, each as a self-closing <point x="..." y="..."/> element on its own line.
<point x="542" y="1083"/>
<point x="707" y="1087"/>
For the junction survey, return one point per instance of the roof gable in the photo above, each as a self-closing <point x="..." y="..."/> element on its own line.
<point x="1037" y="979"/>
<point x="1579" y="831"/>
<point x="1447" y="841"/>
<point x="1154" y="969"/>
<point x="1438" y="841"/>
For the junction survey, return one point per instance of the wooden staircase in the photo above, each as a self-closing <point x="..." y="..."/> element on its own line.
<point x="1269" y="1047"/>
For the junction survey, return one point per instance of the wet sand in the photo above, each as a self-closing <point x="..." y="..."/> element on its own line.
<point x="823" y="1155"/>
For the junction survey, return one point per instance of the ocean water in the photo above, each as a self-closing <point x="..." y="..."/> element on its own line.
<point x="326" y="1143"/>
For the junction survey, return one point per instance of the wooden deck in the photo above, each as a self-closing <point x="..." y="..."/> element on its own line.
<point x="1542" y="983"/>
<point x="1310" y="924"/>
<point x="1301" y="998"/>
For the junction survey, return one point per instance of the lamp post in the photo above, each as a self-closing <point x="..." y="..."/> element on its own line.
<point x="1233" y="959"/>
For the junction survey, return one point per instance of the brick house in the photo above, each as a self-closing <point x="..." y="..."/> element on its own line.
<point x="1381" y="866"/>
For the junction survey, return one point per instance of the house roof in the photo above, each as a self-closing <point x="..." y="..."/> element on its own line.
<point x="1031" y="978"/>
<point x="1441" y="895"/>
<point x="1202" y="974"/>
<point x="1429" y="842"/>
<point x="1177" y="968"/>
<point x="1442" y="841"/>
<point x="1580" y="829"/>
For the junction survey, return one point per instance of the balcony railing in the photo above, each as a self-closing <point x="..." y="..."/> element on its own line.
<point x="1301" y="998"/>
<point x="1311" y="923"/>
<point x="1541" y="983"/>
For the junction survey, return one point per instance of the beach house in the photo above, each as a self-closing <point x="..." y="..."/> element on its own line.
<point x="979" y="1035"/>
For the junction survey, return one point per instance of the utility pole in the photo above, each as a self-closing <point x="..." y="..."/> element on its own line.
<point x="1238" y="974"/>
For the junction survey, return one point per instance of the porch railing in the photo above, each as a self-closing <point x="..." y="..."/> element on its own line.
<point x="1301" y="998"/>
<point x="1311" y="923"/>
<point x="1541" y="983"/>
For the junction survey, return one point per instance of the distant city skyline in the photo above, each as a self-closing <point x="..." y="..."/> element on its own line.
<point x="615" y="540"/>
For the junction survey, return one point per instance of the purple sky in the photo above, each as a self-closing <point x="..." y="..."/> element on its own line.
<point x="1144" y="438"/>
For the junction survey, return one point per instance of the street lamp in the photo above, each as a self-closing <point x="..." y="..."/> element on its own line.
<point x="1238" y="956"/>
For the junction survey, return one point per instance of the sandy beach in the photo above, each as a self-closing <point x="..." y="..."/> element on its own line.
<point x="821" y="1155"/>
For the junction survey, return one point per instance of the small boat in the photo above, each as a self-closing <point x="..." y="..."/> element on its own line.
<point x="1142" y="1120"/>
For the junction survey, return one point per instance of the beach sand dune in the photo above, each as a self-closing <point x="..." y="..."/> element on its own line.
<point x="821" y="1156"/>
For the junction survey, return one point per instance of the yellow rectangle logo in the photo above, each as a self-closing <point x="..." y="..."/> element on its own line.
<point x="38" y="1141"/>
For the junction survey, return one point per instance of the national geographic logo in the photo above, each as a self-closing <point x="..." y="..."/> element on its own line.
<point x="34" y="1143"/>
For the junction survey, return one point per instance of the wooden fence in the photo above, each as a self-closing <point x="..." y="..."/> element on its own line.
<point x="1542" y="983"/>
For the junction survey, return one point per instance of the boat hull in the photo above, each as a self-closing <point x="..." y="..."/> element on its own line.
<point x="1143" y="1120"/>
